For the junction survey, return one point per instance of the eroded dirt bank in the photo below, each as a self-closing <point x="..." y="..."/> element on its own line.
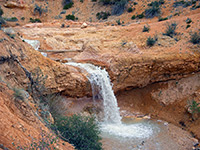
<point x="20" y="124"/>
<point x="167" y="101"/>
<point x="157" y="81"/>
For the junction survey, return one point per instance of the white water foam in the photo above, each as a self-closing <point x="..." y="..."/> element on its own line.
<point x="137" y="130"/>
<point x="35" y="44"/>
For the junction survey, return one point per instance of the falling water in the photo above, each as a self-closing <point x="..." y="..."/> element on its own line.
<point x="112" y="124"/>
<point x="102" y="88"/>
<point x="35" y="44"/>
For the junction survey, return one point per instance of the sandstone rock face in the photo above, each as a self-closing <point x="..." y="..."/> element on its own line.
<point x="61" y="78"/>
<point x="20" y="122"/>
<point x="11" y="4"/>
<point x="122" y="51"/>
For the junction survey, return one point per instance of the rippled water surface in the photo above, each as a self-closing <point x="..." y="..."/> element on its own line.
<point x="135" y="134"/>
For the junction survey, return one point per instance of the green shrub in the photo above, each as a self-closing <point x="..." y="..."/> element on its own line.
<point x="22" y="18"/>
<point x="171" y="29"/>
<point x="38" y="9"/>
<point x="18" y="94"/>
<point x="179" y="3"/>
<point x="161" y="1"/>
<point x="140" y="16"/>
<point x="102" y="15"/>
<point x="177" y="14"/>
<point x="68" y="5"/>
<point x="183" y="3"/>
<point x="162" y="19"/>
<point x="64" y="2"/>
<point x="35" y="20"/>
<point x="70" y="17"/>
<point x="119" y="7"/>
<point x="119" y="22"/>
<point x="123" y="43"/>
<point x="195" y="38"/>
<point x="130" y="9"/>
<point x="198" y="6"/>
<point x="106" y="2"/>
<point x="94" y="0"/>
<point x="135" y="3"/>
<point x="133" y="17"/>
<point x="153" y="10"/>
<point x="82" y="132"/>
<point x="151" y="41"/>
<point x="188" y="20"/>
<point x="188" y="26"/>
<point x="2" y="21"/>
<point x="11" y="35"/>
<point x="194" y="108"/>
<point x="188" y="3"/>
<point x="154" y="3"/>
<point x="1" y="12"/>
<point x="81" y="1"/>
<point x="146" y="28"/>
<point x="12" y="19"/>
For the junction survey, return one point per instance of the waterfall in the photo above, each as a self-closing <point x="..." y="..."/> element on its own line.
<point x="112" y="124"/>
<point x="35" y="44"/>
<point x="102" y="89"/>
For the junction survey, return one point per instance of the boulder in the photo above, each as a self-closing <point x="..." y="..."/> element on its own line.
<point x="84" y="25"/>
<point x="11" y="4"/>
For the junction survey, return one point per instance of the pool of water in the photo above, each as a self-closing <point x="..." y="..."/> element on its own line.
<point x="135" y="134"/>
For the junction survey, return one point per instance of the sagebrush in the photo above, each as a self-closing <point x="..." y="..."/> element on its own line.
<point x="171" y="29"/>
<point x="146" y="28"/>
<point x="151" y="40"/>
<point x="154" y="9"/>
<point x="195" y="38"/>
